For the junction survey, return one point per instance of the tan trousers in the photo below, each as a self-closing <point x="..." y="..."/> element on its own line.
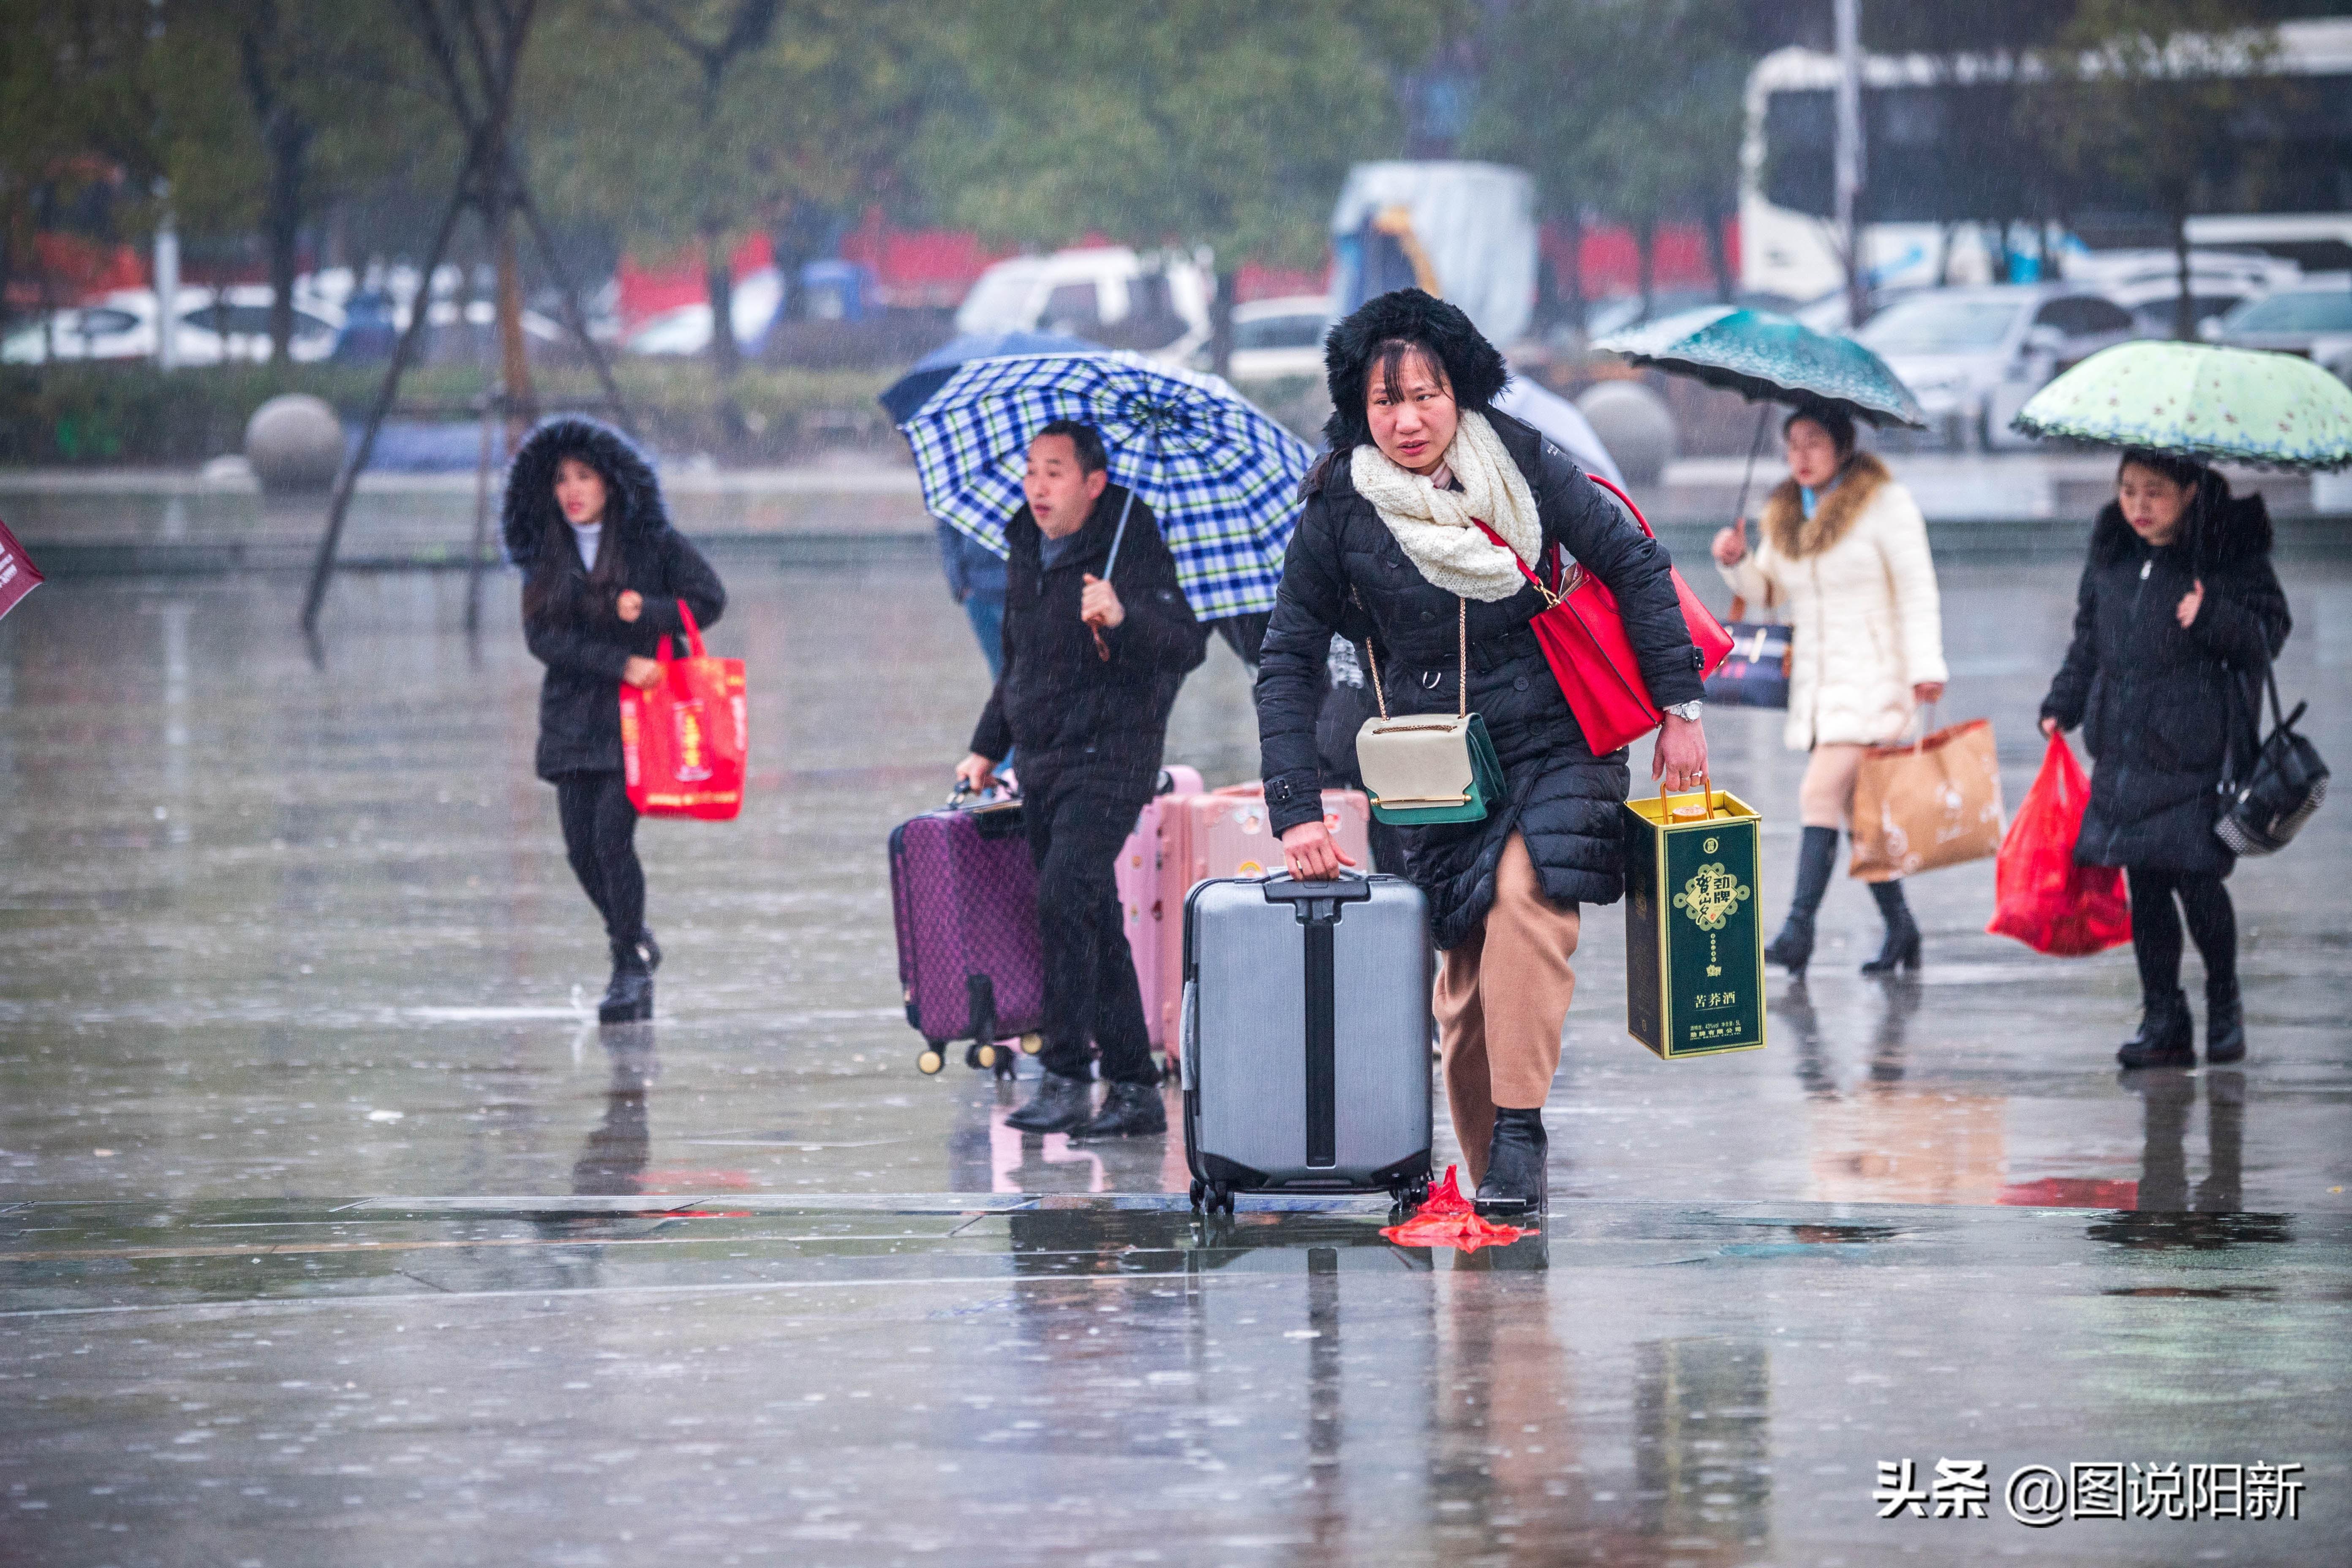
<point x="1825" y="798"/>
<point x="1502" y="1001"/>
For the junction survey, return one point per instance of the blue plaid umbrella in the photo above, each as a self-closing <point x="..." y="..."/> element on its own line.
<point x="1220" y="475"/>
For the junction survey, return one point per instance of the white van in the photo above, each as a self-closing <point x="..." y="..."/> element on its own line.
<point x="1106" y="294"/>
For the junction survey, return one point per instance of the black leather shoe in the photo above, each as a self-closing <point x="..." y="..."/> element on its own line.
<point x="1900" y="949"/>
<point x="1060" y="1105"/>
<point x="629" y="995"/>
<point x="1129" y="1110"/>
<point x="2167" y="1037"/>
<point x="2225" y="1026"/>
<point x="1515" y="1183"/>
<point x="648" y="949"/>
<point x="1793" y="948"/>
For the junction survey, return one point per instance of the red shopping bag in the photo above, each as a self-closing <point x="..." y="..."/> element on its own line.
<point x="2042" y="897"/>
<point x="683" y="742"/>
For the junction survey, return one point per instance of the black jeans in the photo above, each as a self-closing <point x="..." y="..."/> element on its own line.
<point x="2155" y="929"/>
<point x="1075" y="826"/>
<point x="600" y="838"/>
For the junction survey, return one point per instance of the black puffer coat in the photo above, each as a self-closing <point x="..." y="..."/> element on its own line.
<point x="2155" y="701"/>
<point x="1059" y="700"/>
<point x="1345" y="573"/>
<point x="577" y="635"/>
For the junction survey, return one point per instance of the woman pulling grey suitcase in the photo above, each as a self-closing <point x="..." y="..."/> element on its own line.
<point x="1387" y="550"/>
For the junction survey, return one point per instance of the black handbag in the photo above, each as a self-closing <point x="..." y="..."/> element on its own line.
<point x="2267" y="806"/>
<point x="1755" y="673"/>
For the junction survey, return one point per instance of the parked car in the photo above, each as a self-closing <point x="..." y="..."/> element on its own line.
<point x="1106" y="294"/>
<point x="1276" y="338"/>
<point x="685" y="328"/>
<point x="231" y="323"/>
<point x="1973" y="356"/>
<point x="2289" y="321"/>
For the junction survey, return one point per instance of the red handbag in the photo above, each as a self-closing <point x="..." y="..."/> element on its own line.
<point x="1583" y="637"/>
<point x="683" y="742"/>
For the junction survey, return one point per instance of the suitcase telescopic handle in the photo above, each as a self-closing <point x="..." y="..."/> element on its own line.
<point x="1317" y="904"/>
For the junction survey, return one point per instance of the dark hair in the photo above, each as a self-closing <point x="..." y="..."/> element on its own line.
<point x="1379" y="334"/>
<point x="1092" y="458"/>
<point x="551" y="594"/>
<point x="1836" y="421"/>
<point x="2187" y="472"/>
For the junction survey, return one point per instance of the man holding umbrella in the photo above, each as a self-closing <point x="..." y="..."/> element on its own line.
<point x="1098" y="638"/>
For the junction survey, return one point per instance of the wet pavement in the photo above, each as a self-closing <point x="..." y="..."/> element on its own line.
<point x="331" y="1230"/>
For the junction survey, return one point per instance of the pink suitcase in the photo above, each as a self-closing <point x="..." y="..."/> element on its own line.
<point x="1154" y="924"/>
<point x="1225" y="833"/>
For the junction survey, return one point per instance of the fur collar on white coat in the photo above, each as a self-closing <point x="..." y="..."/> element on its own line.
<point x="1861" y="598"/>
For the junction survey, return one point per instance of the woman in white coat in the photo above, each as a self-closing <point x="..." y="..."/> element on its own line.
<point x="1845" y="553"/>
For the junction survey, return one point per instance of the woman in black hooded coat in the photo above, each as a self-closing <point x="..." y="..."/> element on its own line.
<point x="603" y="573"/>
<point x="1384" y="555"/>
<point x="2177" y="614"/>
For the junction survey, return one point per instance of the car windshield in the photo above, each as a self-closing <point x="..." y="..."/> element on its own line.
<point x="2303" y="310"/>
<point x="1940" y="326"/>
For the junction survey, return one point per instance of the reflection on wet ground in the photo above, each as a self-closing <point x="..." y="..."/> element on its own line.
<point x="325" y="1213"/>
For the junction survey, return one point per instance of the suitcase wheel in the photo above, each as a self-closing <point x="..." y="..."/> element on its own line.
<point x="1200" y="1191"/>
<point x="1032" y="1043"/>
<point x="980" y="1056"/>
<point x="930" y="1060"/>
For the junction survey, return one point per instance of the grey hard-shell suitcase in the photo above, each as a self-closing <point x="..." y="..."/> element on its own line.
<point x="1306" y="1038"/>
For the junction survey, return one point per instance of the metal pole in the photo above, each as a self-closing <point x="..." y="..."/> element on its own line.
<point x="1849" y="154"/>
<point x="493" y="412"/>
<point x="167" y="293"/>
<point x="323" y="567"/>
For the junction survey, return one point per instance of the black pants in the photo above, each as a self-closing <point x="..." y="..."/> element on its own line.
<point x="1075" y="826"/>
<point x="600" y="836"/>
<point x="2155" y="929"/>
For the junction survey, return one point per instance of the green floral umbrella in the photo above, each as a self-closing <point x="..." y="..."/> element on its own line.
<point x="1772" y="358"/>
<point x="2236" y="405"/>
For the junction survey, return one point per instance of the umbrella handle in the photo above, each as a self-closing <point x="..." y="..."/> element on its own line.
<point x="1118" y="535"/>
<point x="1740" y="512"/>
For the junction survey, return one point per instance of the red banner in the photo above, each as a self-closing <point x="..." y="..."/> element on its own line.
<point x="18" y="577"/>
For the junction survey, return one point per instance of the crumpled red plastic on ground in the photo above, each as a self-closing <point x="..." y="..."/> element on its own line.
<point x="1448" y="1219"/>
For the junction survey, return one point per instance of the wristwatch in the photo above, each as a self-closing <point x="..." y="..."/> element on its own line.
<point x="1686" y="711"/>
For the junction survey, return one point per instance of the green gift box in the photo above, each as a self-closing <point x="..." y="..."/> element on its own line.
<point x="1694" y="925"/>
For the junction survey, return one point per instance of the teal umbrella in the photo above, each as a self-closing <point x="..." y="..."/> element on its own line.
<point x="2216" y="404"/>
<point x="1770" y="358"/>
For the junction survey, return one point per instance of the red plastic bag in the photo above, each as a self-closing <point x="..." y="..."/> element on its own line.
<point x="683" y="742"/>
<point x="1449" y="1219"/>
<point x="2043" y="899"/>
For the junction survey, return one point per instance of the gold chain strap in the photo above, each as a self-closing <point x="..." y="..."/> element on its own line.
<point x="1462" y="684"/>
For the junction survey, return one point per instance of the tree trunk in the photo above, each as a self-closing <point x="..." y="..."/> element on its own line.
<point x="514" y="362"/>
<point x="1570" y="278"/>
<point x="1221" y="322"/>
<point x="1645" y="254"/>
<point x="289" y="142"/>
<point x="1718" y="256"/>
<point x="718" y="276"/>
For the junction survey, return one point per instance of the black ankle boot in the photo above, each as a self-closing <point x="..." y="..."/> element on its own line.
<point x="1060" y="1105"/>
<point x="2167" y="1037"/>
<point x="1900" y="949"/>
<point x="629" y="997"/>
<point x="1515" y="1183"/>
<point x="2225" y="1025"/>
<point x="1129" y="1110"/>
<point x="1816" y="858"/>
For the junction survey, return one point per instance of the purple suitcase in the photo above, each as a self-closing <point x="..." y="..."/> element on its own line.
<point x="964" y="894"/>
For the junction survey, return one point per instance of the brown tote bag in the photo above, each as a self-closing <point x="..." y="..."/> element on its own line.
<point x="1936" y="802"/>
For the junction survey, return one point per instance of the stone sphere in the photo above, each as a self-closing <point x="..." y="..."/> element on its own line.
<point x="294" y="443"/>
<point x="1635" y="424"/>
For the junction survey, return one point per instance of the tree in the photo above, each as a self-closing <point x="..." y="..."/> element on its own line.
<point x="1228" y="124"/>
<point x="268" y="111"/>
<point x="2156" y="84"/>
<point x="714" y="120"/>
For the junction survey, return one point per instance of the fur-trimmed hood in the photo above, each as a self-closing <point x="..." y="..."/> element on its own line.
<point x="1472" y="363"/>
<point x="2222" y="530"/>
<point x="1795" y="535"/>
<point x="633" y="504"/>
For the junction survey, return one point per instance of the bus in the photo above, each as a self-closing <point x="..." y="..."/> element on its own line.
<point x="1944" y="178"/>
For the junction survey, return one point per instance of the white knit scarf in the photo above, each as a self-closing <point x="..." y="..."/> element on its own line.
<point x="1434" y="525"/>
